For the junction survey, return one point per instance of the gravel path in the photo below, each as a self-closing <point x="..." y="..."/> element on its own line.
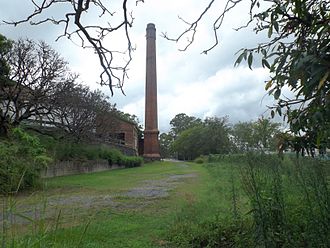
<point x="157" y="188"/>
<point x="138" y="197"/>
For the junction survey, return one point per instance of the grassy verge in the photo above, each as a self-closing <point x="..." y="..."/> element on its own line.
<point x="213" y="220"/>
<point x="95" y="210"/>
<point x="259" y="201"/>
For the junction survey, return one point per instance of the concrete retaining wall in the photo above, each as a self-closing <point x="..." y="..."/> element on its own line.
<point x="65" y="168"/>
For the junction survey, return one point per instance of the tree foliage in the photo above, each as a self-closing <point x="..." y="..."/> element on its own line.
<point x="77" y="109"/>
<point x="183" y="122"/>
<point x="189" y="144"/>
<point x="40" y="89"/>
<point x="256" y="135"/>
<point x="210" y="136"/>
<point x="165" y="143"/>
<point x="297" y="55"/>
<point x="22" y="158"/>
<point x="5" y="46"/>
<point x="297" y="52"/>
<point x="215" y="135"/>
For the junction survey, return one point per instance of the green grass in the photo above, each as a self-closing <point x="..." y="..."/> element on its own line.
<point x="216" y="208"/>
<point x="211" y="219"/>
<point x="120" y="179"/>
<point x="142" y="226"/>
<point x="259" y="201"/>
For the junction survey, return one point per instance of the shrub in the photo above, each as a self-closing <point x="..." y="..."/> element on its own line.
<point x="130" y="162"/>
<point x="113" y="156"/>
<point x="201" y="160"/>
<point x="22" y="158"/>
<point x="67" y="150"/>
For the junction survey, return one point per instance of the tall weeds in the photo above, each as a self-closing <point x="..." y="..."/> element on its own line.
<point x="262" y="201"/>
<point x="289" y="201"/>
<point x="37" y="227"/>
<point x="264" y="186"/>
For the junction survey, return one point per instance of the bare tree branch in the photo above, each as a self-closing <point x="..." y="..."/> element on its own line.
<point x="192" y="27"/>
<point x="90" y="36"/>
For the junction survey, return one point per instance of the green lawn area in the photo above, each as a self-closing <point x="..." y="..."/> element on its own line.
<point x="108" y="209"/>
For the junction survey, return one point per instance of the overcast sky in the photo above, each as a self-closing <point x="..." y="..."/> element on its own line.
<point x="188" y="82"/>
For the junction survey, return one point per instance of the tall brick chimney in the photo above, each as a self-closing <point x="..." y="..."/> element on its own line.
<point x="151" y="143"/>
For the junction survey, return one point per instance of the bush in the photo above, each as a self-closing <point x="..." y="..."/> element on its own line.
<point x="201" y="160"/>
<point x="22" y="158"/>
<point x="67" y="150"/>
<point x="113" y="156"/>
<point x="130" y="162"/>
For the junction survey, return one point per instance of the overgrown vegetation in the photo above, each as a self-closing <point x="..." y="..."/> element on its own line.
<point x="236" y="201"/>
<point x="266" y="202"/>
<point x="23" y="155"/>
<point x="22" y="158"/>
<point x="68" y="150"/>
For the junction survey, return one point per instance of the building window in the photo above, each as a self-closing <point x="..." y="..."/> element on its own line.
<point x="118" y="138"/>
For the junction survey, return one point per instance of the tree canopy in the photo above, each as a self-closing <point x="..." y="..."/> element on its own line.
<point x="297" y="54"/>
<point x="182" y="122"/>
<point x="256" y="135"/>
<point x="37" y="88"/>
<point x="196" y="137"/>
<point x="5" y="46"/>
<point x="298" y="58"/>
<point x="33" y="70"/>
<point x="216" y="135"/>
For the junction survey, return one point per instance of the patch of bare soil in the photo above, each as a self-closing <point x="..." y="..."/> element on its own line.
<point x="138" y="197"/>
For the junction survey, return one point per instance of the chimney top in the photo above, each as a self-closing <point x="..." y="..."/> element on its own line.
<point x="151" y="25"/>
<point x="151" y="31"/>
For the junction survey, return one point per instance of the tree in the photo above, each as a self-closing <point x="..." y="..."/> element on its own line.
<point x="189" y="145"/>
<point x="165" y="143"/>
<point x="243" y="136"/>
<point x="257" y="135"/>
<point x="5" y="46"/>
<point x="183" y="122"/>
<point x="216" y="135"/>
<point x="78" y="110"/>
<point x="210" y="137"/>
<point x="265" y="133"/>
<point x="35" y="70"/>
<point x="118" y="19"/>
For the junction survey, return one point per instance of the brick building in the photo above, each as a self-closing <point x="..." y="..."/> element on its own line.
<point x="119" y="132"/>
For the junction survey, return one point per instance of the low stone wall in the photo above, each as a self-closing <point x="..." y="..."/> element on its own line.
<point x="65" y="168"/>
